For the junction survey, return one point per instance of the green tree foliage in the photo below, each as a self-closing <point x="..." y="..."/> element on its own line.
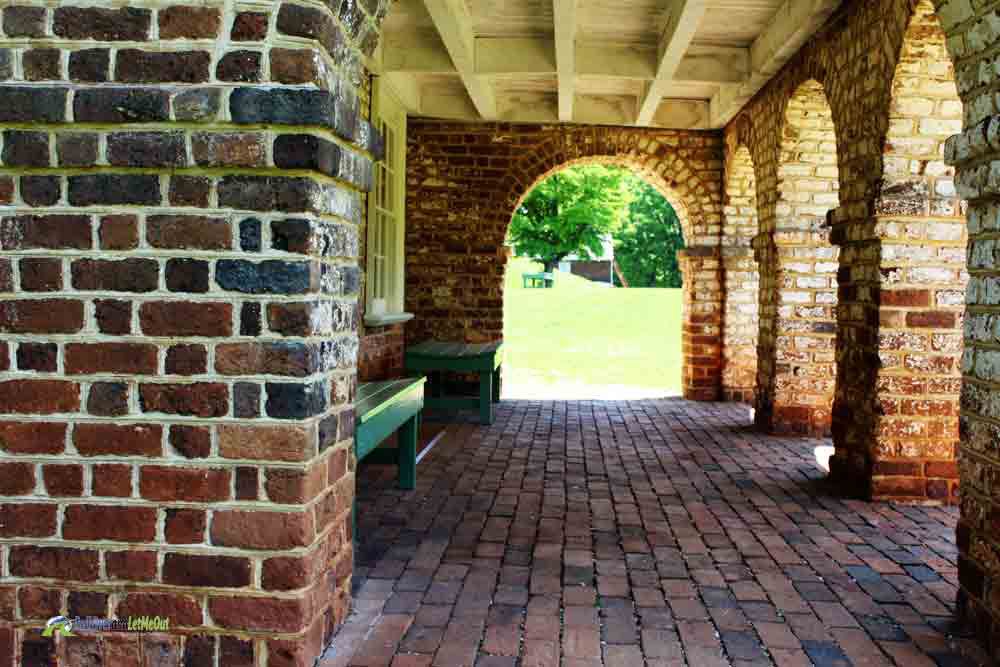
<point x="646" y="245"/>
<point x="569" y="213"/>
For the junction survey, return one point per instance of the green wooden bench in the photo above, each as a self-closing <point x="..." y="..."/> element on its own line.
<point x="486" y="359"/>
<point x="544" y="280"/>
<point x="381" y="409"/>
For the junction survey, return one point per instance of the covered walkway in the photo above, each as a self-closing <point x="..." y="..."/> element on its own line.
<point x="648" y="532"/>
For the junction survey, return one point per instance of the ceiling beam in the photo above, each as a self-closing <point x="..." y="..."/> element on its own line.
<point x="454" y="25"/>
<point x="504" y="56"/>
<point x="790" y="28"/>
<point x="564" y="12"/>
<point x="684" y="18"/>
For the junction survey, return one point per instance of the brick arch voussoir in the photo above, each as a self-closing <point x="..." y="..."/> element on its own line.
<point x="661" y="172"/>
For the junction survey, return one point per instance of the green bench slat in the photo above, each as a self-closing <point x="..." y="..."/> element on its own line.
<point x="382" y="408"/>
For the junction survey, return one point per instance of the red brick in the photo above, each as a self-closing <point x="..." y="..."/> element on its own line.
<point x="179" y="318"/>
<point x="930" y="319"/>
<point x="186" y="484"/>
<point x="228" y="149"/>
<point x="118" y="358"/>
<point x="130" y="565"/>
<point x="182" y="610"/>
<point x="185" y="526"/>
<point x="112" y="480"/>
<point x="32" y="437"/>
<point x="42" y="397"/>
<point x="945" y="469"/>
<point x="87" y="604"/>
<point x="54" y="563"/>
<point x="119" y="232"/>
<point x="118" y="440"/>
<point x="295" y="486"/>
<point x="39" y="602"/>
<point x="101" y="24"/>
<point x="186" y="22"/>
<point x="63" y="480"/>
<point x="137" y="66"/>
<point x="214" y="571"/>
<point x="39" y="357"/>
<point x="27" y="520"/>
<point x="189" y="231"/>
<point x="41" y="316"/>
<point x="262" y="530"/>
<point x="41" y="275"/>
<point x="125" y="275"/>
<point x="109" y="522"/>
<point x="113" y="317"/>
<point x="246" y="483"/>
<point x="201" y="399"/>
<point x="265" y="443"/>
<point x="249" y="27"/>
<point x="54" y="232"/>
<point x="187" y="360"/>
<point x="287" y="573"/>
<point x="259" y="614"/>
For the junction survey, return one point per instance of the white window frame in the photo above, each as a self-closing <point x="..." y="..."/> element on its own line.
<point x="385" y="259"/>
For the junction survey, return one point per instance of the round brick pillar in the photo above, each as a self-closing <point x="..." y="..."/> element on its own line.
<point x="701" y="267"/>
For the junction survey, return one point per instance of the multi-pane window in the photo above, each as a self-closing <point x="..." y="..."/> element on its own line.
<point x="386" y="210"/>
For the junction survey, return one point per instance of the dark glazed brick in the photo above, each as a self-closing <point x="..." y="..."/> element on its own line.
<point x="246" y="400"/>
<point x="90" y="65"/>
<point x="271" y="193"/>
<point x="146" y="149"/>
<point x="241" y="66"/>
<point x="187" y="275"/>
<point x="41" y="275"/>
<point x="106" y="25"/>
<point x="21" y="21"/>
<point x="190" y="441"/>
<point x="121" y="105"/>
<point x="249" y="27"/>
<point x="20" y="104"/>
<point x="200" y="104"/>
<point x="39" y="357"/>
<point x="305" y="151"/>
<point x="250" y="230"/>
<point x="6" y="65"/>
<point x="114" y="189"/>
<point x="25" y="149"/>
<point x="42" y="65"/>
<point x="76" y="150"/>
<point x="250" y="319"/>
<point x="108" y="399"/>
<point x="268" y="277"/>
<point x="187" y="360"/>
<point x="113" y="317"/>
<point x="283" y="106"/>
<point x="246" y="483"/>
<point x="40" y="190"/>
<point x="311" y="23"/>
<point x="190" y="191"/>
<point x="135" y="66"/>
<point x="295" y="401"/>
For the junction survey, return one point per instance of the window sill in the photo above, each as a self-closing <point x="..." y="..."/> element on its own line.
<point x="387" y="319"/>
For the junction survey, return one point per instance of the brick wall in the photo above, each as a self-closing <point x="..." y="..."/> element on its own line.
<point x="380" y="355"/>
<point x="177" y="333"/>
<point x="465" y="181"/>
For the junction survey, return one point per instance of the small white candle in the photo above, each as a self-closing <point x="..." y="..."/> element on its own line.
<point x="378" y="307"/>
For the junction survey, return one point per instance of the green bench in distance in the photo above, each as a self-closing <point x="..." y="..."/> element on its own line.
<point x="486" y="359"/>
<point x="545" y="280"/>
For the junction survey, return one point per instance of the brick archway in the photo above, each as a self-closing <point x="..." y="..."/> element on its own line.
<point x="666" y="169"/>
<point x="460" y="281"/>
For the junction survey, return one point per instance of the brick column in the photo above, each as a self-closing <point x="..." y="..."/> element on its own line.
<point x="796" y="371"/>
<point x="701" y="267"/>
<point x="178" y="263"/>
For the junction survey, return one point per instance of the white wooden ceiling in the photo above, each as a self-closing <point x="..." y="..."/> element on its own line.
<point x="660" y="63"/>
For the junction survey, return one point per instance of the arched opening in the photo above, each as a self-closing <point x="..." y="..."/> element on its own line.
<point x="592" y="298"/>
<point x="797" y="374"/>
<point x="742" y="280"/>
<point x="921" y="229"/>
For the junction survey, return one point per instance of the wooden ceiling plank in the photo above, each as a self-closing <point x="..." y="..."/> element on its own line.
<point x="564" y="13"/>
<point x="790" y="28"/>
<point x="454" y="25"/>
<point x="684" y="19"/>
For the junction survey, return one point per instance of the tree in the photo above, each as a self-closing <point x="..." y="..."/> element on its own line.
<point x="646" y="246"/>
<point x="569" y="213"/>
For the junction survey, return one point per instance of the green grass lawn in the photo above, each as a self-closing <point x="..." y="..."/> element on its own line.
<point x="584" y="340"/>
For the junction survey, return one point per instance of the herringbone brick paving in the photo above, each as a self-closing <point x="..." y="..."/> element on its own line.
<point x="648" y="532"/>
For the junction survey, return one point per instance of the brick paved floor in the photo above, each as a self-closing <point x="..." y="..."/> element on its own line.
<point x="648" y="532"/>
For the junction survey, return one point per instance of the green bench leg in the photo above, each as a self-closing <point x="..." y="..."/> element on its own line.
<point x="497" y="381"/>
<point x="486" y="397"/>
<point x="408" y="434"/>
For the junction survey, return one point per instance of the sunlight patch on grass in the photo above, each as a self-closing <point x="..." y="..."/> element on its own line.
<point x="585" y="340"/>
